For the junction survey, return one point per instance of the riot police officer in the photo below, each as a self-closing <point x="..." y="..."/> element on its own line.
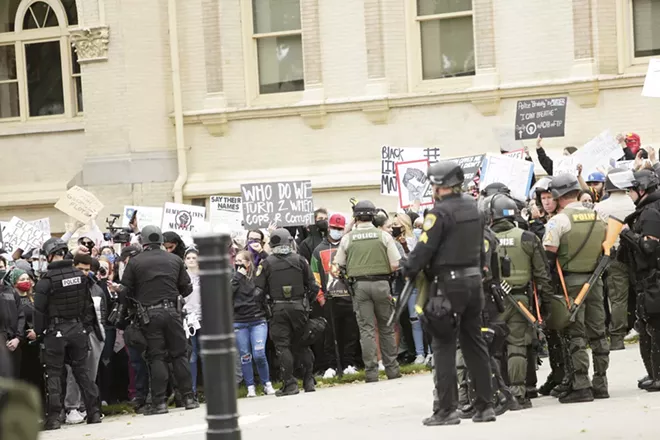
<point x="449" y="251"/>
<point x="64" y="313"/>
<point x="286" y="278"/>
<point x="573" y="241"/>
<point x="370" y="256"/>
<point x="154" y="280"/>
<point x="522" y="262"/>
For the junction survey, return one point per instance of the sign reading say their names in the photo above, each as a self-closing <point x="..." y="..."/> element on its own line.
<point x="544" y="117"/>
<point x="278" y="203"/>
<point x="226" y="211"/>
<point x="390" y="156"/>
<point x="185" y="220"/>
<point x="19" y="234"/>
<point x="79" y="204"/>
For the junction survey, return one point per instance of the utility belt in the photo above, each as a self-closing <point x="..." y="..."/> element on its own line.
<point x="387" y="277"/>
<point x="289" y="301"/>
<point x="58" y="320"/>
<point x="458" y="273"/>
<point x="167" y="304"/>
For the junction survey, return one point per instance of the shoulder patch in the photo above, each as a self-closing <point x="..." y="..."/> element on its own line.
<point x="259" y="269"/>
<point x="429" y="221"/>
<point x="486" y="245"/>
<point x="423" y="238"/>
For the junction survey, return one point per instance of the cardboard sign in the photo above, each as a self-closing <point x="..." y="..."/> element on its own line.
<point x="146" y="215"/>
<point x="390" y="156"/>
<point x="43" y="224"/>
<point x="19" y="234"/>
<point x="226" y="211"/>
<point x="652" y="82"/>
<point x="279" y="203"/>
<point x="545" y="117"/>
<point x="514" y="173"/>
<point x="517" y="154"/>
<point x="79" y="204"/>
<point x="185" y="220"/>
<point x="595" y="155"/>
<point x="411" y="180"/>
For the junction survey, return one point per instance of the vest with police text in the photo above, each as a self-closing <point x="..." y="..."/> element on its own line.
<point x="285" y="277"/>
<point x="521" y="267"/>
<point x="69" y="293"/>
<point x="585" y="260"/>
<point x="367" y="254"/>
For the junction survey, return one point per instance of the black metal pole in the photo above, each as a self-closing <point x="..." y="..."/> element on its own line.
<point x="217" y="338"/>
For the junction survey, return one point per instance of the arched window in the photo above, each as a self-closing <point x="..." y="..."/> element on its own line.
<point x="39" y="71"/>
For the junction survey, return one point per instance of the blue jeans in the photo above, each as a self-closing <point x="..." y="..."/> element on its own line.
<point x="416" y="324"/>
<point x="251" y="344"/>
<point x="194" y="356"/>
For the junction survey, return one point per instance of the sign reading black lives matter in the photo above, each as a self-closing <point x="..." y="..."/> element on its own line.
<point x="545" y="117"/>
<point x="279" y="203"/>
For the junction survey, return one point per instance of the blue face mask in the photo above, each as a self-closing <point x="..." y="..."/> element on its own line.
<point x="111" y="258"/>
<point x="417" y="233"/>
<point x="336" y="234"/>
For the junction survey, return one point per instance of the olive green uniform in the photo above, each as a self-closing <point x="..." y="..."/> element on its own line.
<point x="567" y="231"/>
<point x="368" y="254"/>
<point x="528" y="263"/>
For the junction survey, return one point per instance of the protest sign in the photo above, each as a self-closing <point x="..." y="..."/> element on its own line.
<point x="506" y="138"/>
<point x="146" y="215"/>
<point x="19" y="234"/>
<point x="625" y="164"/>
<point x="470" y="166"/>
<point x="43" y="224"/>
<point x="652" y="82"/>
<point x="411" y="180"/>
<point x="595" y="155"/>
<point x="226" y="211"/>
<point x="516" y="154"/>
<point x="516" y="174"/>
<point x="389" y="156"/>
<point x="544" y="117"/>
<point x="565" y="165"/>
<point x="279" y="203"/>
<point x="185" y="220"/>
<point x="79" y="204"/>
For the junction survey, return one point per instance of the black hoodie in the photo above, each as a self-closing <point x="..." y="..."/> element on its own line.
<point x="308" y="245"/>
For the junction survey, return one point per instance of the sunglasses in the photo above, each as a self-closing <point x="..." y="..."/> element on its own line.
<point x="87" y="243"/>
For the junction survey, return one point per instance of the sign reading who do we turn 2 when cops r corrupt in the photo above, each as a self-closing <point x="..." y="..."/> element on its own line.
<point x="545" y="117"/>
<point x="278" y="203"/>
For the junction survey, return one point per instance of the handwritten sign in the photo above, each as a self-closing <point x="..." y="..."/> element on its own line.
<point x="565" y="165"/>
<point x="411" y="181"/>
<point x="43" y="224"/>
<point x="514" y="173"/>
<point x="19" y="234"/>
<point x="595" y="155"/>
<point x="390" y="156"/>
<point x="652" y="82"/>
<point x="226" y="211"/>
<point x="517" y="154"/>
<point x="79" y="204"/>
<point x="282" y="203"/>
<point x="545" y="117"/>
<point x="185" y="220"/>
<point x="146" y="215"/>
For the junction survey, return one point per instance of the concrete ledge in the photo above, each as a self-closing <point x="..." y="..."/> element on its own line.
<point x="54" y="125"/>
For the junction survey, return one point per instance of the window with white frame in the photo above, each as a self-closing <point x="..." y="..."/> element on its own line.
<point x="447" y="38"/>
<point x="646" y="27"/>
<point x="39" y="72"/>
<point x="277" y="36"/>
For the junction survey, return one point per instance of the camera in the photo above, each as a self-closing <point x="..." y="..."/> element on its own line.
<point x="117" y="234"/>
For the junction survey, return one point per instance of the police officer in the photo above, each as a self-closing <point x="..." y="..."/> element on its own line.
<point x="449" y="251"/>
<point x="64" y="313"/>
<point x="574" y="238"/>
<point x="500" y="188"/>
<point x="523" y="262"/>
<point x="154" y="280"/>
<point x="618" y="205"/>
<point x="286" y="278"/>
<point x="370" y="256"/>
<point x="641" y="243"/>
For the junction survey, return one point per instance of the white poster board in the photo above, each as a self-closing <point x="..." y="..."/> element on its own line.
<point x="516" y="174"/>
<point x="185" y="220"/>
<point x="411" y="181"/>
<point x="226" y="212"/>
<point x="146" y="215"/>
<point x="506" y="138"/>
<point x="390" y="156"/>
<point x="565" y="165"/>
<point x="652" y="82"/>
<point x="42" y="224"/>
<point x="596" y="155"/>
<point x="79" y="204"/>
<point x="19" y="234"/>
<point x="516" y="154"/>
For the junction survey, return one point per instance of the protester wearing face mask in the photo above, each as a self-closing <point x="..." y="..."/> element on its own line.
<point x="317" y="233"/>
<point x="109" y="253"/>
<point x="417" y="228"/>
<point x="174" y="244"/>
<point x="193" y="309"/>
<point x="105" y="274"/>
<point x="255" y="245"/>
<point x="250" y="326"/>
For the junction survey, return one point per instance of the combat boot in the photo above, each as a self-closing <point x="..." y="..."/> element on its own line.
<point x="156" y="409"/>
<point x="52" y="424"/>
<point x="531" y="393"/>
<point x="288" y="390"/>
<point x="466" y="412"/>
<point x="578" y="396"/>
<point x="94" y="418"/>
<point x="309" y="384"/>
<point x="442" y="418"/>
<point x="506" y="403"/>
<point x="653" y="386"/>
<point x="486" y="415"/>
<point x="190" y="402"/>
<point x="561" y="390"/>
<point x="600" y="393"/>
<point x="547" y="387"/>
<point x="523" y="403"/>
<point x="644" y="382"/>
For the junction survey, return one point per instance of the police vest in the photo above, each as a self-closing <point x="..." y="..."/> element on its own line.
<point x="285" y="277"/>
<point x="585" y="260"/>
<point x="490" y="248"/>
<point x="69" y="293"/>
<point x="462" y="241"/>
<point x="521" y="267"/>
<point x="367" y="254"/>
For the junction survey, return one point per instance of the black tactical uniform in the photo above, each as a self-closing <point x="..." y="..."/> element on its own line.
<point x="64" y="312"/>
<point x="450" y="251"/>
<point x="644" y="254"/>
<point x="286" y="278"/>
<point x="154" y="279"/>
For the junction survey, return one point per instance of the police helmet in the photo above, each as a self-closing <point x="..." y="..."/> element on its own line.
<point x="502" y="206"/>
<point x="280" y="237"/>
<point x="645" y="180"/>
<point x="151" y="235"/>
<point x="622" y="183"/>
<point x="563" y="184"/>
<point x="596" y="177"/>
<point x="540" y="187"/>
<point x="53" y="245"/>
<point x="495" y="188"/>
<point x="364" y="208"/>
<point x="446" y="174"/>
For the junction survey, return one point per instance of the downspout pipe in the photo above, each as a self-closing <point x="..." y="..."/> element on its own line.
<point x="178" y="104"/>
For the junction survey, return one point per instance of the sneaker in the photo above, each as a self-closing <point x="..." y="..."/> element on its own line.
<point x="329" y="373"/>
<point x="83" y="413"/>
<point x="252" y="391"/>
<point x="632" y="335"/>
<point x="74" y="417"/>
<point x="350" y="370"/>
<point x="487" y="415"/>
<point x="419" y="360"/>
<point x="104" y="403"/>
<point x="268" y="389"/>
<point x="190" y="402"/>
<point x="442" y="418"/>
<point x="381" y="367"/>
<point x="578" y="396"/>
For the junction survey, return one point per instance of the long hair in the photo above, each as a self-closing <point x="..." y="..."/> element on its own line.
<point x="406" y="224"/>
<point x="247" y="256"/>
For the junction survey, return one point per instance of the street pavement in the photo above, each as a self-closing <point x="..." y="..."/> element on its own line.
<point x="394" y="409"/>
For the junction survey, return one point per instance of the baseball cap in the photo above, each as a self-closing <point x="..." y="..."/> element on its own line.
<point x="129" y="251"/>
<point x="337" y="221"/>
